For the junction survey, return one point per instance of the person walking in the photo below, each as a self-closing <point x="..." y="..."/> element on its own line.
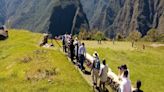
<point x="103" y="75"/>
<point x="95" y="69"/>
<point x="82" y="55"/>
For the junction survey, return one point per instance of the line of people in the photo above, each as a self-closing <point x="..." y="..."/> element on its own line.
<point x="75" y="49"/>
<point x="77" y="52"/>
<point x="99" y="72"/>
<point x="125" y="83"/>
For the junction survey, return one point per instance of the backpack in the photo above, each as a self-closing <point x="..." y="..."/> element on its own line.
<point x="97" y="64"/>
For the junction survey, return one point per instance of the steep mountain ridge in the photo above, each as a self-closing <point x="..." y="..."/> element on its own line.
<point x="37" y="15"/>
<point x="101" y="13"/>
<point x="139" y="15"/>
<point x="123" y="16"/>
<point x="110" y="16"/>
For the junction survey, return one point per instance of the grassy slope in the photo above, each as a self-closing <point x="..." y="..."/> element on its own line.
<point x="146" y="65"/>
<point x="14" y="72"/>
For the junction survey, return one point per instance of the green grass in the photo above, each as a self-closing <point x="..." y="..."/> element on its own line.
<point x="26" y="67"/>
<point x="145" y="65"/>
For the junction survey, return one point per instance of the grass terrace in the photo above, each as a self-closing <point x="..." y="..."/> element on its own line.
<point x="145" y="65"/>
<point x="26" y="67"/>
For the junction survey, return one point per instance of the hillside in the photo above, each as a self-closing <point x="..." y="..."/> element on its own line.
<point x="27" y="67"/>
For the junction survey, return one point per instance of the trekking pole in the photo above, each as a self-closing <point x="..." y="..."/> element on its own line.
<point x="58" y="43"/>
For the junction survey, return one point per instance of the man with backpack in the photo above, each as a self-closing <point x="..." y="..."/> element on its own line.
<point x="95" y="69"/>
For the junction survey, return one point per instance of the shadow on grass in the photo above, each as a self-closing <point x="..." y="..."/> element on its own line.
<point x="87" y="72"/>
<point x="98" y="89"/>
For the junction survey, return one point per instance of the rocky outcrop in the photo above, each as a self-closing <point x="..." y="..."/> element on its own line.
<point x="139" y="15"/>
<point x="64" y="17"/>
<point x="102" y="13"/>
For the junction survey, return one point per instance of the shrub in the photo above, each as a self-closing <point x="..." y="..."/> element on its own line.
<point x="134" y="36"/>
<point x="120" y="37"/>
<point x="152" y="35"/>
<point x="91" y="35"/>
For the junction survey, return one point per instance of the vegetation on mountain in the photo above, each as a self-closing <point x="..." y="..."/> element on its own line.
<point x="91" y="35"/>
<point x="134" y="36"/>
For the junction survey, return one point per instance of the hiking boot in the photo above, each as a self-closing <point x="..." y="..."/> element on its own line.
<point x="95" y="84"/>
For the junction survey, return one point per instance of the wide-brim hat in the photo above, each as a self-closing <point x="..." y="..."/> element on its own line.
<point x="95" y="54"/>
<point x="76" y="38"/>
<point x="122" y="67"/>
<point x="45" y="34"/>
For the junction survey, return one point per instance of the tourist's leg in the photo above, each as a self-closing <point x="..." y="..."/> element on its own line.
<point x="82" y="62"/>
<point x="104" y="86"/>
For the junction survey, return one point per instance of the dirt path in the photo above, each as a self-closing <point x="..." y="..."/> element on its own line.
<point x="156" y="45"/>
<point x="85" y="74"/>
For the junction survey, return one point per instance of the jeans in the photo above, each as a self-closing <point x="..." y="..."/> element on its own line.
<point x="82" y="59"/>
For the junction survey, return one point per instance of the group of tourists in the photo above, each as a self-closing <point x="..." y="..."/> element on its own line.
<point x="3" y="33"/>
<point x="76" y="50"/>
<point x="44" y="42"/>
<point x="77" y="53"/>
<point x="99" y="72"/>
<point x="125" y="83"/>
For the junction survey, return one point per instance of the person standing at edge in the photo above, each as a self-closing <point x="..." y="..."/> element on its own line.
<point x="76" y="44"/>
<point x="82" y="54"/>
<point x="72" y="49"/>
<point x="95" y="69"/>
<point x="125" y="85"/>
<point x="138" y="85"/>
<point x="103" y="75"/>
<point x="64" y="43"/>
